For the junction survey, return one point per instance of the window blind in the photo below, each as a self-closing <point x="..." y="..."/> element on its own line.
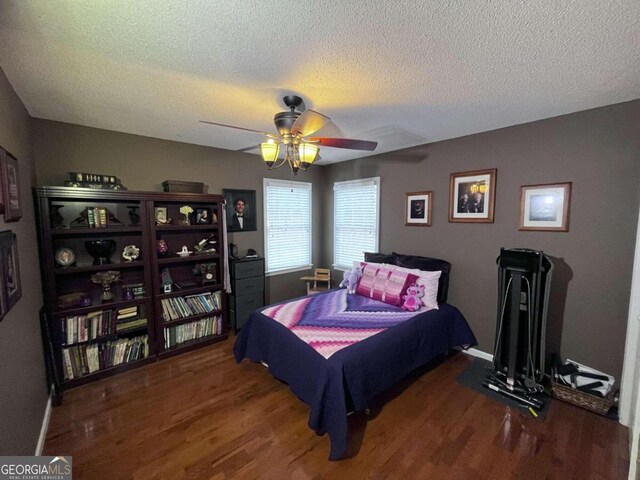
<point x="287" y="225"/>
<point x="356" y="217"/>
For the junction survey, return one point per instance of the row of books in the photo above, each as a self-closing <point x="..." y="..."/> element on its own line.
<point x="136" y="288"/>
<point x="97" y="217"/>
<point x="83" y="360"/>
<point x="82" y="328"/>
<point x="183" y="307"/>
<point x="192" y="330"/>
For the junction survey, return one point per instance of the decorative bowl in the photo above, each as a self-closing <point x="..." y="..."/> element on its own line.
<point x="100" y="250"/>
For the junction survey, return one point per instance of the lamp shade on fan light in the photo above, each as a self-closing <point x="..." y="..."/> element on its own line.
<point x="308" y="153"/>
<point x="269" y="151"/>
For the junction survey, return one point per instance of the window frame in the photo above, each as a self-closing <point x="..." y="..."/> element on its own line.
<point x="273" y="181"/>
<point x="376" y="181"/>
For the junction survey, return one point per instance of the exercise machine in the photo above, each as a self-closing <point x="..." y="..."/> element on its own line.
<point x="524" y="281"/>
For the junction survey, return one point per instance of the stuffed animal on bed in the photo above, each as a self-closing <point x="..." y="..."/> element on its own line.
<point x="412" y="301"/>
<point x="351" y="279"/>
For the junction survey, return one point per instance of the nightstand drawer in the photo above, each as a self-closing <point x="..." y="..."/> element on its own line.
<point x="247" y="269"/>
<point x="248" y="285"/>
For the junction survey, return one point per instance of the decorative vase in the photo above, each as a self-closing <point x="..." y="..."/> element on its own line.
<point x="162" y="247"/>
<point x="100" y="250"/>
<point x="187" y="220"/>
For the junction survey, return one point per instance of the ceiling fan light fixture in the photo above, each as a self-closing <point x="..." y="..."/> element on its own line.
<point x="269" y="151"/>
<point x="308" y="154"/>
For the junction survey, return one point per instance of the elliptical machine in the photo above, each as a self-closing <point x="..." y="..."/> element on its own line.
<point x="524" y="281"/>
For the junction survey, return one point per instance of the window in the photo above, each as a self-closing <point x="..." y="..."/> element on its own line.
<point x="287" y="226"/>
<point x="356" y="206"/>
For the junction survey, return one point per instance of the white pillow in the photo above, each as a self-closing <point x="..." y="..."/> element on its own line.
<point x="430" y="282"/>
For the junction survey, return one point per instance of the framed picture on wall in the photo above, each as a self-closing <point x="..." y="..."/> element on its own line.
<point x="545" y="208"/>
<point x="241" y="210"/>
<point x="10" y="187"/>
<point x="12" y="287"/>
<point x="472" y="196"/>
<point x="417" y="209"/>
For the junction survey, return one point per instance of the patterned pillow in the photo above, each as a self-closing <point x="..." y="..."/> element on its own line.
<point x="396" y="285"/>
<point x="430" y="282"/>
<point x="366" y="283"/>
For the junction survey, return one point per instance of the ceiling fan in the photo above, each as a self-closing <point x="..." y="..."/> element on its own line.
<point x="295" y="130"/>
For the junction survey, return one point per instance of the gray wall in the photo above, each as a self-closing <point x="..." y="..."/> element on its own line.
<point x="143" y="163"/>
<point x="23" y="394"/>
<point x="597" y="150"/>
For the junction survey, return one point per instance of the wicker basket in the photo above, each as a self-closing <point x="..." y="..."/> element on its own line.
<point x="600" y="405"/>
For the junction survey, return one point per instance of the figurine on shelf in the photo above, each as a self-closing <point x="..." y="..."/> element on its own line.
<point x="167" y="281"/>
<point x="206" y="245"/>
<point x="106" y="279"/>
<point x="134" y="218"/>
<point x="207" y="272"/>
<point x="186" y="210"/>
<point x="56" y="217"/>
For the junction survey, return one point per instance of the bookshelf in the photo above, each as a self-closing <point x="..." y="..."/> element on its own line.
<point x="107" y="313"/>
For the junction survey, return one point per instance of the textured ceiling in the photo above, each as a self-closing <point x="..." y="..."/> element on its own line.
<point x="400" y="72"/>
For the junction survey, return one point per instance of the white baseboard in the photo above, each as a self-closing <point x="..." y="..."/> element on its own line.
<point x="474" y="352"/>
<point x="45" y="425"/>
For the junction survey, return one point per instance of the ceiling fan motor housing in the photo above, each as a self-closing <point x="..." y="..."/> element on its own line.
<point x="284" y="121"/>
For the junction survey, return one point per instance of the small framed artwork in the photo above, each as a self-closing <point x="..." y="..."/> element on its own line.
<point x="241" y="210"/>
<point x="162" y="217"/>
<point x="12" y="291"/>
<point x="545" y="208"/>
<point x="417" y="209"/>
<point x="203" y="216"/>
<point x="10" y="187"/>
<point x="472" y="196"/>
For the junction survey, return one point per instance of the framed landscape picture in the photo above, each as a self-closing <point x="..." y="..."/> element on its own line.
<point x="10" y="186"/>
<point x="241" y="210"/>
<point x="472" y="196"/>
<point x="417" y="209"/>
<point x="545" y="208"/>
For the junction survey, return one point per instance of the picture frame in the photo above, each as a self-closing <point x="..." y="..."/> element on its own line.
<point x="203" y="216"/>
<point x="10" y="179"/>
<point x="241" y="202"/>
<point x="161" y="215"/>
<point x="11" y="284"/>
<point x="472" y="196"/>
<point x="417" y="209"/>
<point x="546" y="207"/>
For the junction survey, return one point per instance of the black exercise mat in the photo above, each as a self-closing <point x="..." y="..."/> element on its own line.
<point x="473" y="376"/>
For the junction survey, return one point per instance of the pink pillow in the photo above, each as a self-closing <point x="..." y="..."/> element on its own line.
<point x="366" y="283"/>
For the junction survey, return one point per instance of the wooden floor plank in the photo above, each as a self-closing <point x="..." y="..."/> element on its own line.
<point x="202" y="416"/>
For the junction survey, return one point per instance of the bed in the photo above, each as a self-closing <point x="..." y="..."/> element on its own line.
<point x="338" y="351"/>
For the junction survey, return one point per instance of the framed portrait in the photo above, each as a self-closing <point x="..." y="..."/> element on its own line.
<point x="545" y="208"/>
<point x="472" y="196"/>
<point x="417" y="209"/>
<point x="10" y="187"/>
<point x="12" y="288"/>
<point x="203" y="216"/>
<point x="162" y="216"/>
<point x="241" y="210"/>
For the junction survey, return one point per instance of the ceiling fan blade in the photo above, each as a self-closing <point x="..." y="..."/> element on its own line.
<point x="248" y="149"/>
<point x="272" y="135"/>
<point x="345" y="143"/>
<point x="309" y="122"/>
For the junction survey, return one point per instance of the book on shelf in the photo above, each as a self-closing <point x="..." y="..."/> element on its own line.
<point x="124" y="327"/>
<point x="182" y="307"/>
<point x="136" y="288"/>
<point x="203" y="327"/>
<point x="83" y="328"/>
<point x="130" y="312"/>
<point x="81" y="360"/>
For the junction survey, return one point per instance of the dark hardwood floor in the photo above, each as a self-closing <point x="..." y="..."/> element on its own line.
<point x="201" y="415"/>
